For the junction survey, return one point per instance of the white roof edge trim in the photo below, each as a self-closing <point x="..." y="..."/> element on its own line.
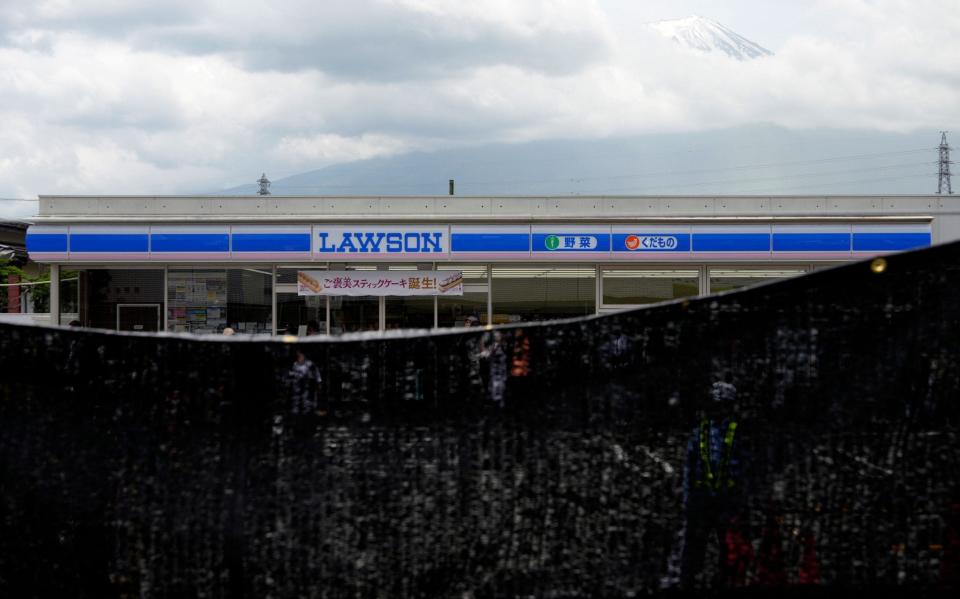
<point x="474" y="197"/>
<point x="477" y="220"/>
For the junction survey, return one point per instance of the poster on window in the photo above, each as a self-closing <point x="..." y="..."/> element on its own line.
<point x="379" y="282"/>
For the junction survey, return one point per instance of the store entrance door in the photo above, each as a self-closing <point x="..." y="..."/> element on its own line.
<point x="144" y="318"/>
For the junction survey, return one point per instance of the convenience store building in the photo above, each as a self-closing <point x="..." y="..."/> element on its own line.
<point x="202" y="263"/>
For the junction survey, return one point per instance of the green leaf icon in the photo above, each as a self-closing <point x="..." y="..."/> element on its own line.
<point x="552" y="242"/>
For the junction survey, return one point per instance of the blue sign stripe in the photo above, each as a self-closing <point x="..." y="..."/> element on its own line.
<point x="189" y="242"/>
<point x="271" y="242"/>
<point x="811" y="242"/>
<point x="572" y="242"/>
<point x="651" y="242"/>
<point x="888" y="242"/>
<point x="490" y="242"/>
<point x="46" y="242"/>
<point x="108" y="242"/>
<point x="731" y="242"/>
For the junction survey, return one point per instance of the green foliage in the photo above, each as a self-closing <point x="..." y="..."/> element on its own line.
<point x="40" y="293"/>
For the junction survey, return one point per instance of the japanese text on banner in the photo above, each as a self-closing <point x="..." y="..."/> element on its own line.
<point x="379" y="282"/>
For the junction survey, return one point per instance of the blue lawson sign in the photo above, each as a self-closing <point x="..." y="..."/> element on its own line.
<point x="486" y="242"/>
<point x="651" y="242"/>
<point x="654" y="242"/>
<point x="571" y="242"/>
<point x="489" y="242"/>
<point x="380" y="240"/>
<point x="742" y="241"/>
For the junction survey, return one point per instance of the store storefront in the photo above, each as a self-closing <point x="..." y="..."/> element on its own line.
<point x="199" y="269"/>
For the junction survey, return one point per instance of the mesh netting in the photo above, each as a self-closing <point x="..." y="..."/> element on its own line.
<point x="798" y="433"/>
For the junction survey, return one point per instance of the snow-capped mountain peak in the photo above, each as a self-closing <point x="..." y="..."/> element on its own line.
<point x="705" y="35"/>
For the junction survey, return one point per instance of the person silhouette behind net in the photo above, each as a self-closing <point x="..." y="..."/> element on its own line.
<point x="713" y="493"/>
<point x="304" y="380"/>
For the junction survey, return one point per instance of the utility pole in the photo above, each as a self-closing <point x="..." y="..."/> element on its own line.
<point x="264" y="185"/>
<point x="944" y="182"/>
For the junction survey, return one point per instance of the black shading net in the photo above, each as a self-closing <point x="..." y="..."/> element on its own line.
<point x="586" y="457"/>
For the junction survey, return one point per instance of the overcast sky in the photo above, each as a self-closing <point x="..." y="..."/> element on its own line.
<point x="148" y="97"/>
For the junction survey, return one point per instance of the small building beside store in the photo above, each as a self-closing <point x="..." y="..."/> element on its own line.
<point x="24" y="284"/>
<point x="200" y="264"/>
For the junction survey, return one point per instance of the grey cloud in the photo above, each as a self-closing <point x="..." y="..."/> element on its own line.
<point x="410" y="54"/>
<point x="41" y="42"/>
<point x="160" y="118"/>
<point x="33" y="27"/>
<point x="106" y="18"/>
<point x="347" y="40"/>
<point x="143" y="107"/>
<point x="427" y="115"/>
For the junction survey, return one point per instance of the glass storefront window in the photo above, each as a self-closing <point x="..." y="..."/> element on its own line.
<point x="287" y="275"/>
<point x="530" y="293"/>
<point x="469" y="308"/>
<point x="727" y="279"/>
<point x="121" y="299"/>
<point x="69" y="296"/>
<point x="824" y="265"/>
<point x="636" y="287"/>
<point x="408" y="312"/>
<point x="354" y="314"/>
<point x="209" y="300"/>
<point x="298" y="315"/>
